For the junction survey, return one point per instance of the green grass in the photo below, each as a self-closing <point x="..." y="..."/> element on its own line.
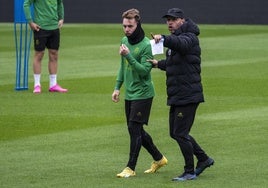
<point x="79" y="139"/>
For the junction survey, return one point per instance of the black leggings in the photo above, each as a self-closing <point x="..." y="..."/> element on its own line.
<point x="139" y="137"/>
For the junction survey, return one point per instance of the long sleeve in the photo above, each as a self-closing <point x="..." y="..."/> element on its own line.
<point x="27" y="10"/>
<point x="162" y="65"/>
<point x="142" y="67"/>
<point x="60" y="9"/>
<point x="120" y="76"/>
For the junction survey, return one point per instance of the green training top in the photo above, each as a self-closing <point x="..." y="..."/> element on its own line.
<point x="135" y="71"/>
<point x="47" y="13"/>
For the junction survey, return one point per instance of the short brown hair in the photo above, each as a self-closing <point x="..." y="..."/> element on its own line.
<point x="132" y="13"/>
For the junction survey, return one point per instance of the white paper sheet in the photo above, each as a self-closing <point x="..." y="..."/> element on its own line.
<point x="157" y="48"/>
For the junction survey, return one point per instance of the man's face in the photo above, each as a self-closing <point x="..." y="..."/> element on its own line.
<point x="174" y="23"/>
<point x="129" y="26"/>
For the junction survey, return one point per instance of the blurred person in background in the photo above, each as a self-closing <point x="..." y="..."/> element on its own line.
<point x="46" y="23"/>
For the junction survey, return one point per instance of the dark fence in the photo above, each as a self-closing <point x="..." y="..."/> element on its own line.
<point x="202" y="11"/>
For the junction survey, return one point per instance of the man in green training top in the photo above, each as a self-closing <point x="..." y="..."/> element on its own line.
<point x="46" y="22"/>
<point x="135" y="73"/>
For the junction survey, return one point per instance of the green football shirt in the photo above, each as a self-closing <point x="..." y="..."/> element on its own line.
<point x="47" y="13"/>
<point x="135" y="71"/>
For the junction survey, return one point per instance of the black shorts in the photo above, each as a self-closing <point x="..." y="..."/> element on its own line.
<point x="138" y="110"/>
<point x="46" y="39"/>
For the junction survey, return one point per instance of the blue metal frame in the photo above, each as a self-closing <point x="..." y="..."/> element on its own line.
<point x="23" y="36"/>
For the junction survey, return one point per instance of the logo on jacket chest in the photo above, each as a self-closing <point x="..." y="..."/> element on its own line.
<point x="169" y="52"/>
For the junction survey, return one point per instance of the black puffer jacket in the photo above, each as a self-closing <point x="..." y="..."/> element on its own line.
<point x="182" y="65"/>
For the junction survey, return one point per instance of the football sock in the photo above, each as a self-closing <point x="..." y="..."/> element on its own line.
<point x="52" y="80"/>
<point x="37" y="80"/>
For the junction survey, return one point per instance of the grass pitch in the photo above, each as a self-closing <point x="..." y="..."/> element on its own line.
<point x="79" y="139"/>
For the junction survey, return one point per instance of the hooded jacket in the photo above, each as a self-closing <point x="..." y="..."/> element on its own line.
<point x="183" y="65"/>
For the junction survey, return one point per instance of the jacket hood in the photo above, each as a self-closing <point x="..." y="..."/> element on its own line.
<point x="188" y="26"/>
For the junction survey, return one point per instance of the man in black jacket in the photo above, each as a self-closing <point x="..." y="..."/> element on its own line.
<point x="184" y="88"/>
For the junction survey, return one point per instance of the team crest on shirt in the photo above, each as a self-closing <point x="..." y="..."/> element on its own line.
<point x="52" y="2"/>
<point x="37" y="42"/>
<point x="136" y="50"/>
